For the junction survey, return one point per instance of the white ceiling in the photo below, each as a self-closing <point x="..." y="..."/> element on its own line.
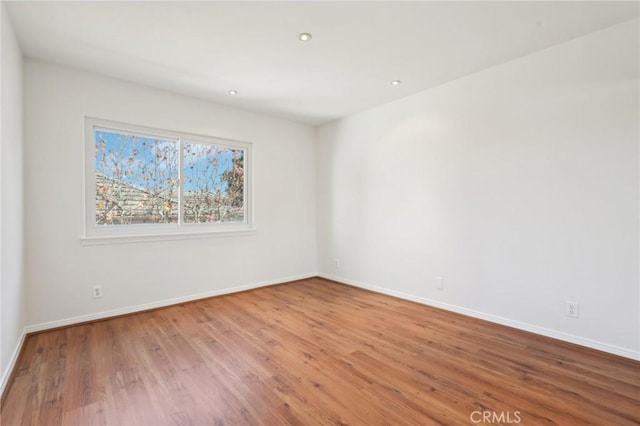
<point x="204" y="49"/>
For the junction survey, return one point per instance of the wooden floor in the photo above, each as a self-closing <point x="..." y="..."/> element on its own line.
<point x="313" y="352"/>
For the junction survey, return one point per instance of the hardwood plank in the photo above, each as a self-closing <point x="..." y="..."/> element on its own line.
<point x="311" y="352"/>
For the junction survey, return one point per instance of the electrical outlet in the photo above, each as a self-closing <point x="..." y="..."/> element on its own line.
<point x="337" y="262"/>
<point x="439" y="283"/>
<point x="97" y="291"/>
<point x="572" y="309"/>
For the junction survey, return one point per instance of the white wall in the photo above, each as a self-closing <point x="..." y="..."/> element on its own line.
<point x="61" y="271"/>
<point x="518" y="185"/>
<point x="12" y="288"/>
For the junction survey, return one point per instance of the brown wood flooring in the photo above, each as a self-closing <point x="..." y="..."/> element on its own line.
<point x="313" y="352"/>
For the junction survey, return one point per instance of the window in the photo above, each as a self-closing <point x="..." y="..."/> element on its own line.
<point x="150" y="182"/>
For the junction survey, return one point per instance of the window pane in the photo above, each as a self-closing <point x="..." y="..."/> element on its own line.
<point x="214" y="183"/>
<point x="136" y="179"/>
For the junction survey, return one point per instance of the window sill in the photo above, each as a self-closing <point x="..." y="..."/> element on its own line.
<point x="144" y="238"/>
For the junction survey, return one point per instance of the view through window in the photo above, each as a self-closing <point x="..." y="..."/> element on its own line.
<point x="141" y="178"/>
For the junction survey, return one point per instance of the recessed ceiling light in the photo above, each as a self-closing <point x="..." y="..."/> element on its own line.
<point x="304" y="37"/>
<point x="232" y="92"/>
<point x="395" y="82"/>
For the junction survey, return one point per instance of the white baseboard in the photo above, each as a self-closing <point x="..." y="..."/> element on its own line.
<point x="6" y="374"/>
<point x="160" y="304"/>
<point x="605" y="347"/>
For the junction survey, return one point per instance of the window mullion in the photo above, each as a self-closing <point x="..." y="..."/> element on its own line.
<point x="180" y="181"/>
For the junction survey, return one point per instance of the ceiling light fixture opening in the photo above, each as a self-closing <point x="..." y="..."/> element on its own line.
<point x="305" y="37"/>
<point x="232" y="92"/>
<point x="396" y="82"/>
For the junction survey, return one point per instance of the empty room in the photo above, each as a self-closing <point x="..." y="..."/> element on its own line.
<point x="319" y="213"/>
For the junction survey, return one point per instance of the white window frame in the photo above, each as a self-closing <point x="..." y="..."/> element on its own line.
<point x="106" y="234"/>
